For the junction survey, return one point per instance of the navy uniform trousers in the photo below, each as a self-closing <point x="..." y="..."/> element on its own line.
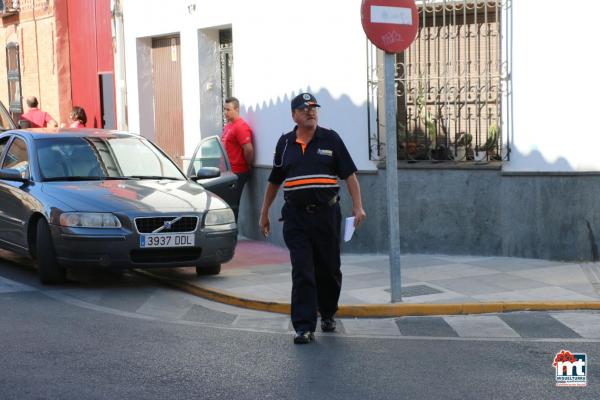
<point x="313" y="239"/>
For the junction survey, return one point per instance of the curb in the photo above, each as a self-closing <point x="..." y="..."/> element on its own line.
<point x="377" y="310"/>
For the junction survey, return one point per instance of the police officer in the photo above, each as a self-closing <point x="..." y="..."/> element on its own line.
<point x="308" y="162"/>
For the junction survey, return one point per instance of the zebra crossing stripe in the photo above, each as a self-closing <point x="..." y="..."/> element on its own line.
<point x="278" y="324"/>
<point x="9" y="286"/>
<point x="425" y="326"/>
<point x="166" y="305"/>
<point x="375" y="327"/>
<point x="585" y="324"/>
<point x="480" y="326"/>
<point x="537" y="325"/>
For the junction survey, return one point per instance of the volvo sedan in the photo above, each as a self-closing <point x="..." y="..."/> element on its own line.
<point x="113" y="200"/>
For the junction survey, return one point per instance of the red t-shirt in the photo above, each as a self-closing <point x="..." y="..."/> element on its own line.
<point x="77" y="124"/>
<point x="37" y="118"/>
<point x="235" y="135"/>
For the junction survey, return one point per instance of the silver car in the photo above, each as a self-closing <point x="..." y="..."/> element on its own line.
<point x="74" y="198"/>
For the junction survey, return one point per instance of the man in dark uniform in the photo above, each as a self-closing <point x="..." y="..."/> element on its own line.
<point x="308" y="161"/>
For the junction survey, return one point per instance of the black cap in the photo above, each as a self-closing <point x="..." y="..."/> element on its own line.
<point x="304" y="100"/>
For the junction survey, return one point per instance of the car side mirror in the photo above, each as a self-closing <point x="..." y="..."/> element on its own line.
<point x="11" y="174"/>
<point x="24" y="124"/>
<point x="206" y="173"/>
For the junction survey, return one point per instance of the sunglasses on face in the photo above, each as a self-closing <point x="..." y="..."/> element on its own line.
<point x="308" y="109"/>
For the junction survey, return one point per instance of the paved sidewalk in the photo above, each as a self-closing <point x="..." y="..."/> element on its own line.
<point x="261" y="272"/>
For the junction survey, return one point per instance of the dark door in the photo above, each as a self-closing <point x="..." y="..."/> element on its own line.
<point x="107" y="101"/>
<point x="211" y="153"/>
<point x="168" y="117"/>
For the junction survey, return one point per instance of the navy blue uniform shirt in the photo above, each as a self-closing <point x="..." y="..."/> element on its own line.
<point x="311" y="177"/>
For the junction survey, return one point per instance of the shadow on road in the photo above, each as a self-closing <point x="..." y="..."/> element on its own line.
<point x="24" y="270"/>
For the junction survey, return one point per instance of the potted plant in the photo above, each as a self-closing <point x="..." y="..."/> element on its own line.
<point x="483" y="151"/>
<point x="463" y="145"/>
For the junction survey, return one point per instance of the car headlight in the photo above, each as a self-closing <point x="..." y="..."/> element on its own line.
<point x="89" y="220"/>
<point x="219" y="217"/>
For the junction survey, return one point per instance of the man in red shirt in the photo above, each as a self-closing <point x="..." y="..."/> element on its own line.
<point x="237" y="139"/>
<point x="36" y="117"/>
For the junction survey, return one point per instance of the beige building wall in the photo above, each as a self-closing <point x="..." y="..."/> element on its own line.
<point x="6" y="35"/>
<point x="34" y="30"/>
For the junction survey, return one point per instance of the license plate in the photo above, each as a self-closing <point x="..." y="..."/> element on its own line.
<point x="167" y="240"/>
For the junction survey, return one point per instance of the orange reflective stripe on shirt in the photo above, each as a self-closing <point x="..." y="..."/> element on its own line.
<point x="311" y="181"/>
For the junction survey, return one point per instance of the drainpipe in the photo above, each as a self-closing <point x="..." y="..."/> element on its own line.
<point x="118" y="37"/>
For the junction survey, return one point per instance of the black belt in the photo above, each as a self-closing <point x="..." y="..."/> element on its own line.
<point x="314" y="207"/>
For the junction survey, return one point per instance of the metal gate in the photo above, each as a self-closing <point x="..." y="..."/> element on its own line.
<point x="166" y="77"/>
<point x="453" y="84"/>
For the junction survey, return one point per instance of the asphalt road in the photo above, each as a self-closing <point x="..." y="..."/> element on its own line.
<point x="89" y="340"/>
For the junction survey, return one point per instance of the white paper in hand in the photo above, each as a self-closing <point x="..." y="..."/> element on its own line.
<point x="348" y="229"/>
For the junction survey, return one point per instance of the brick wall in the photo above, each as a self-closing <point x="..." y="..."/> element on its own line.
<point x="34" y="29"/>
<point x="6" y="34"/>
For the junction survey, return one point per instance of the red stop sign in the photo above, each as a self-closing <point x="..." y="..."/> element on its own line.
<point x="391" y="25"/>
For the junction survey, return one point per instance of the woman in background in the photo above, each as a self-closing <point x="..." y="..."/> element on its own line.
<point x="77" y="117"/>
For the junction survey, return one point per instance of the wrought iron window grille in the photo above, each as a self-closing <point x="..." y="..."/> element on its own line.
<point x="13" y="75"/>
<point x="453" y="85"/>
<point x="226" y="65"/>
<point x="9" y="7"/>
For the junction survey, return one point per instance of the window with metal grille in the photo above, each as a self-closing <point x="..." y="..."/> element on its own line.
<point x="452" y="85"/>
<point x="14" y="80"/>
<point x="9" y="7"/>
<point x="226" y="61"/>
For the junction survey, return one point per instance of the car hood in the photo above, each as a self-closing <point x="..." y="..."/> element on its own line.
<point x="138" y="195"/>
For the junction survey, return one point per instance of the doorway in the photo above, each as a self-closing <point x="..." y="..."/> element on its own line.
<point x="166" y="77"/>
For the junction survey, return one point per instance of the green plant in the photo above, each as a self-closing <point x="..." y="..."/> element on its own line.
<point x="423" y="132"/>
<point x="491" y="141"/>
<point x="430" y="124"/>
<point x="464" y="139"/>
<point x="492" y="138"/>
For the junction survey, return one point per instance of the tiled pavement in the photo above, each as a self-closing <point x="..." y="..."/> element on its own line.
<point x="262" y="271"/>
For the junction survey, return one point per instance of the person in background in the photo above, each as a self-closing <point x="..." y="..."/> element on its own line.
<point x="308" y="162"/>
<point x="77" y="117"/>
<point x="237" y="139"/>
<point x="36" y="117"/>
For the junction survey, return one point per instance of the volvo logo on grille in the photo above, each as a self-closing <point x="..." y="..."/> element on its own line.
<point x="167" y="225"/>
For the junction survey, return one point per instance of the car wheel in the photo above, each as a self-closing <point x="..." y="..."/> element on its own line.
<point x="211" y="269"/>
<point x="49" y="270"/>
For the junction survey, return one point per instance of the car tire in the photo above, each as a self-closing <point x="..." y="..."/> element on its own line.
<point x="49" y="269"/>
<point x="210" y="269"/>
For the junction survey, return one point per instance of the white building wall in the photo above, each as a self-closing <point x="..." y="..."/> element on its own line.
<point x="280" y="49"/>
<point x="555" y="86"/>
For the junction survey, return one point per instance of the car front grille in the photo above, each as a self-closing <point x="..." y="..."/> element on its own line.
<point x="149" y="225"/>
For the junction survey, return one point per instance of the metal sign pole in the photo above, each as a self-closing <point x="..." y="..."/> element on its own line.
<point x="391" y="164"/>
<point x="392" y="26"/>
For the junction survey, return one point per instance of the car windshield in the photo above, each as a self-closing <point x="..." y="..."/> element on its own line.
<point x="100" y="158"/>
